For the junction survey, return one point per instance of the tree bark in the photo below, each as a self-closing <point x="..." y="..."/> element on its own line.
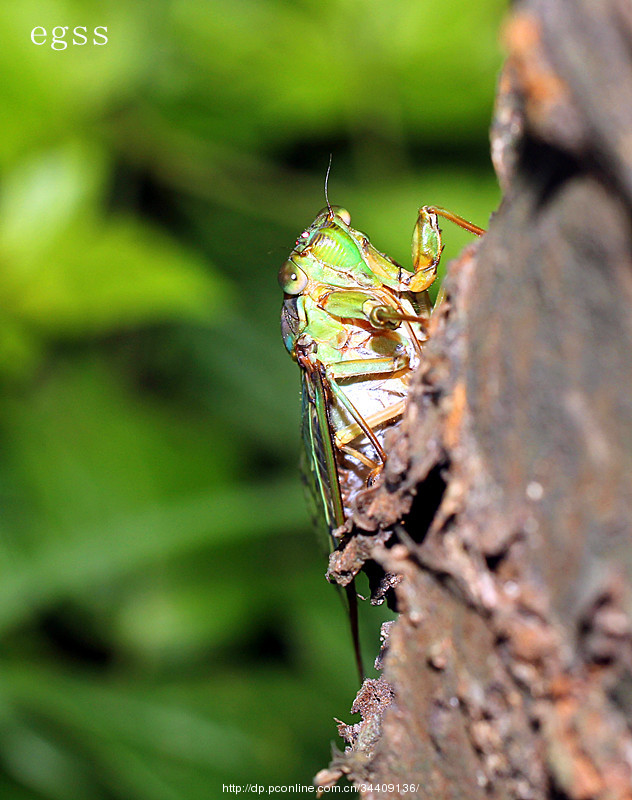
<point x="508" y="673"/>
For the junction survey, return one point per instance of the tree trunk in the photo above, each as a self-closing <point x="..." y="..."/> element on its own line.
<point x="509" y="671"/>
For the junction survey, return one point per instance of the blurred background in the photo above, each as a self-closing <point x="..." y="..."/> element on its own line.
<point x="165" y="625"/>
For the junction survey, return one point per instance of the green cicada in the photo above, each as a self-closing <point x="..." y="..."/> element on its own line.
<point x="354" y="321"/>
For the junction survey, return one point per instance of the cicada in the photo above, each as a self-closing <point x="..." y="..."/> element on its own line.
<point x="354" y="320"/>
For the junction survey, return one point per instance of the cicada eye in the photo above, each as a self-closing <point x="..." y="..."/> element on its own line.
<point x="292" y="279"/>
<point x="344" y="215"/>
<point x="338" y="211"/>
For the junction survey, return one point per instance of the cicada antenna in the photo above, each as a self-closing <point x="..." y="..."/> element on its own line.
<point x="331" y="213"/>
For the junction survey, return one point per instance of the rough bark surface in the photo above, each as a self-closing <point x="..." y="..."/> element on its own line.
<point x="511" y="661"/>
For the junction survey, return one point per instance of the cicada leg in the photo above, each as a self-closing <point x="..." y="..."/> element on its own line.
<point x="353" y="411"/>
<point x="456" y="219"/>
<point x="362" y="458"/>
<point x="427" y="246"/>
<point x="351" y="432"/>
<point x="383" y="310"/>
<point x="387" y="414"/>
<point x="366" y="425"/>
<point x="374" y="466"/>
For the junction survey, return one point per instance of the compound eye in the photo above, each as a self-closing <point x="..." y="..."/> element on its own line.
<point x="292" y="279"/>
<point x="344" y="215"/>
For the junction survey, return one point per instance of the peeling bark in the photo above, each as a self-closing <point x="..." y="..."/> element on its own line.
<point x="511" y="661"/>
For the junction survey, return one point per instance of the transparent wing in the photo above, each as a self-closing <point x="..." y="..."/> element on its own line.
<point x="320" y="456"/>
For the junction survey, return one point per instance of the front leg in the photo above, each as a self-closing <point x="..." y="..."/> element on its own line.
<point x="366" y="306"/>
<point x="427" y="245"/>
<point x="426" y="249"/>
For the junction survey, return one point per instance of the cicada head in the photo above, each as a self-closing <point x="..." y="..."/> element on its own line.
<point x="327" y="252"/>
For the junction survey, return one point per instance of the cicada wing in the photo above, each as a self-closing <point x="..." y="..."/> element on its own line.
<point x="322" y="476"/>
<point x="314" y="503"/>
<point x="320" y="456"/>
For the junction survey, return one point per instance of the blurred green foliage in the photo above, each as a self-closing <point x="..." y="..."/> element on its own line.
<point x="164" y="620"/>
